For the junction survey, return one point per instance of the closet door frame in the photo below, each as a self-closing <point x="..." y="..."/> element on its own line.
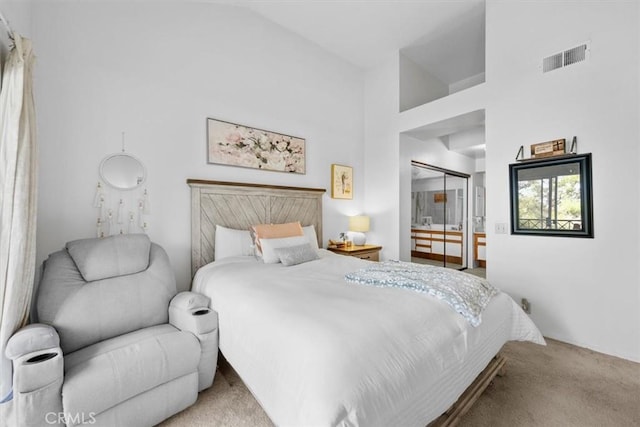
<point x="465" y="211"/>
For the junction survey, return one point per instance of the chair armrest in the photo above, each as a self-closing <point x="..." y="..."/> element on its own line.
<point x="190" y="312"/>
<point x="37" y="370"/>
<point x="30" y="339"/>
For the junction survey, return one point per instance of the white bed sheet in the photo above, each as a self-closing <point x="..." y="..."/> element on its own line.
<point x="318" y="351"/>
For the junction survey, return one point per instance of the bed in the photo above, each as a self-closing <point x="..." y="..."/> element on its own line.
<point x="317" y="351"/>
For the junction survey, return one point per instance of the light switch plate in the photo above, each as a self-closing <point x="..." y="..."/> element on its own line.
<point x="501" y="228"/>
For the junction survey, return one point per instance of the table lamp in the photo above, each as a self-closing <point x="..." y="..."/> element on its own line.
<point x="358" y="225"/>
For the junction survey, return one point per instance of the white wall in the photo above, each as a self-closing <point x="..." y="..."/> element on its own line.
<point x="157" y="71"/>
<point x="467" y="83"/>
<point x="582" y="291"/>
<point x="18" y="13"/>
<point x="417" y="86"/>
<point x="382" y="183"/>
<point x="471" y="137"/>
<point x="458" y="109"/>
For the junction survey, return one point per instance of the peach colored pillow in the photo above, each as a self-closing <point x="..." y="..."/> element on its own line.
<point x="277" y="231"/>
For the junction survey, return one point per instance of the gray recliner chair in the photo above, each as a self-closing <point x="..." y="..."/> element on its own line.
<point x="116" y="346"/>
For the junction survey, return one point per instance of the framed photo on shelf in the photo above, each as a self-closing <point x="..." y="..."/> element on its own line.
<point x="341" y="182"/>
<point x="548" y="149"/>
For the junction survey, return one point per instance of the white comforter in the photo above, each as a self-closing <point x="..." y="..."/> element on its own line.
<point x="318" y="351"/>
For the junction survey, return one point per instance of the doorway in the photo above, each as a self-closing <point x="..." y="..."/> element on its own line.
<point x="439" y="226"/>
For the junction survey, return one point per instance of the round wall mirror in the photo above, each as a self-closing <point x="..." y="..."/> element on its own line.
<point x="123" y="171"/>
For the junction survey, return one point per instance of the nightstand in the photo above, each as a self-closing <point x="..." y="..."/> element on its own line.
<point x="369" y="252"/>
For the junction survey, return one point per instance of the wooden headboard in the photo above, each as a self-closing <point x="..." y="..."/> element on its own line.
<point x="239" y="206"/>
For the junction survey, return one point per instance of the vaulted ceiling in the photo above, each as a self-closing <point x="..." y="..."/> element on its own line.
<point x="445" y="36"/>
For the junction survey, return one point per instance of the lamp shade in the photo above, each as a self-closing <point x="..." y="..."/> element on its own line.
<point x="359" y="223"/>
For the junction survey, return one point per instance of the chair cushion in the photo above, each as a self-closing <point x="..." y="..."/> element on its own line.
<point x="112" y="256"/>
<point x="85" y="313"/>
<point x="108" y="373"/>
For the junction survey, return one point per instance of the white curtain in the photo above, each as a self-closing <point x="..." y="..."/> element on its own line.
<point x="18" y="168"/>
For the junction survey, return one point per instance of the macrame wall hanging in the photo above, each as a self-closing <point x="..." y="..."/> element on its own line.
<point x="122" y="202"/>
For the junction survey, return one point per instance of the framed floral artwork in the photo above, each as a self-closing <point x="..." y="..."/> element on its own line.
<point x="238" y="145"/>
<point x="341" y="182"/>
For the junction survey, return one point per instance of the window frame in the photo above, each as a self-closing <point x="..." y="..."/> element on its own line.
<point x="586" y="196"/>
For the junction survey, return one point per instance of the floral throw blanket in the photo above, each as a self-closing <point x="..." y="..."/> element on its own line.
<point x="465" y="293"/>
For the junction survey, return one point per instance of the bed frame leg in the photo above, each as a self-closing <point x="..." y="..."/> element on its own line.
<point x="502" y="371"/>
<point x="451" y="418"/>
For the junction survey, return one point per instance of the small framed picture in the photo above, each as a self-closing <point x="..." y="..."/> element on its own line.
<point x="341" y="182"/>
<point x="548" y="149"/>
<point x="440" y="198"/>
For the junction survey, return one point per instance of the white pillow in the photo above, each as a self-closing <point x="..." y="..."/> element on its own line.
<point x="269" y="246"/>
<point x="230" y="242"/>
<point x="310" y="232"/>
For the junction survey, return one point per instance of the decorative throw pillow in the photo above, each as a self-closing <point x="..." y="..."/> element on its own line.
<point x="269" y="247"/>
<point x="276" y="231"/>
<point x="294" y="255"/>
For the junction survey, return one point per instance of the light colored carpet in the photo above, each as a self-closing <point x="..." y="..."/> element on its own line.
<point x="558" y="385"/>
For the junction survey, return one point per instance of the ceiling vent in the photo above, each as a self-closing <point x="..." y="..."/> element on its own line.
<point x="566" y="58"/>
<point x="552" y="62"/>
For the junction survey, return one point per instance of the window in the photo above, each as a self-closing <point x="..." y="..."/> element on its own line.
<point x="552" y="197"/>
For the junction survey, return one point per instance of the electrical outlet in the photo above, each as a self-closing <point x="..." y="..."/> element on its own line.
<point x="526" y="306"/>
<point x="501" y="228"/>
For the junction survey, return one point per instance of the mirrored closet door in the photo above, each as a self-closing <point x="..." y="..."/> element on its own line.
<point x="438" y="216"/>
